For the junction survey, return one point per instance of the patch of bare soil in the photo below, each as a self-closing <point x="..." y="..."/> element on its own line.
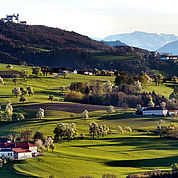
<point x="67" y="107"/>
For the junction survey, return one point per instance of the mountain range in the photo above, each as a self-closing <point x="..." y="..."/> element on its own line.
<point x="149" y="41"/>
<point x="171" y="48"/>
<point x="114" y="43"/>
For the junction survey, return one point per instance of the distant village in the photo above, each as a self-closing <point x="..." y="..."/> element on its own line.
<point x="164" y="56"/>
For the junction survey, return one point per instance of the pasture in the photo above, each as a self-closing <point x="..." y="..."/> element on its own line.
<point x="113" y="154"/>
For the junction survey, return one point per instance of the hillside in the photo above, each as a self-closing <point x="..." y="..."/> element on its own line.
<point x="42" y="45"/>
<point x="171" y="48"/>
<point x="149" y="41"/>
<point x="118" y="154"/>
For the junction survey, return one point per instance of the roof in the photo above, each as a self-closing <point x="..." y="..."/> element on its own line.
<point x="25" y="145"/>
<point x="6" y="150"/>
<point x="154" y="108"/>
<point x="17" y="145"/>
<point x="20" y="150"/>
<point x="8" y="74"/>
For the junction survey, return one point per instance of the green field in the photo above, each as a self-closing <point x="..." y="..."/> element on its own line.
<point x="42" y="86"/>
<point x="163" y="89"/>
<point x="113" y="154"/>
<point x="109" y="58"/>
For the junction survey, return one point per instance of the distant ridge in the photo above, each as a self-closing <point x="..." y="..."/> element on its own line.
<point x="171" y="48"/>
<point x="149" y="41"/>
<point x="114" y="43"/>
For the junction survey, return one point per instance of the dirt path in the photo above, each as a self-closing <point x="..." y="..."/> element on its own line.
<point x="67" y="107"/>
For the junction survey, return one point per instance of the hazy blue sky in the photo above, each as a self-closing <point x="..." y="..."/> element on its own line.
<point x="98" y="18"/>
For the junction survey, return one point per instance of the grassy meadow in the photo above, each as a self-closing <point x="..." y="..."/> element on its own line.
<point x="113" y="154"/>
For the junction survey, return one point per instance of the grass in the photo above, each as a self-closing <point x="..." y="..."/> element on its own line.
<point x="110" y="58"/>
<point x="43" y="86"/>
<point x="111" y="155"/>
<point x="164" y="89"/>
<point x="114" y="154"/>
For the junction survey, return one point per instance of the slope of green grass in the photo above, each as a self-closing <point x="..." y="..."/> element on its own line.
<point x="43" y="86"/>
<point x="164" y="89"/>
<point x="109" y="58"/>
<point x="114" y="154"/>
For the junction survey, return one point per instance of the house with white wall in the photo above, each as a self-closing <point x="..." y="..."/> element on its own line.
<point x="21" y="150"/>
<point x="155" y="111"/>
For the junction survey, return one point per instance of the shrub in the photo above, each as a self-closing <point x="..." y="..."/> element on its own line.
<point x="23" y="99"/>
<point x="1" y="81"/>
<point x="40" y="113"/>
<point x="20" y="117"/>
<point x="119" y="129"/>
<point x="9" y="66"/>
<point x="174" y="167"/>
<point x="64" y="130"/>
<point x="73" y="96"/>
<point x="39" y="135"/>
<point x="30" y="90"/>
<point x="16" y="91"/>
<point x="51" y="98"/>
<point x="109" y="109"/>
<point x="85" y="114"/>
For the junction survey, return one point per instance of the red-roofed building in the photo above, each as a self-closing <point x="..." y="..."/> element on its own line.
<point x="21" y="150"/>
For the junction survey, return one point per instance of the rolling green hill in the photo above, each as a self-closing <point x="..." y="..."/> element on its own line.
<point x="113" y="154"/>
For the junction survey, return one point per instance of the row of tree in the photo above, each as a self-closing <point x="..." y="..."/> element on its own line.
<point x="107" y="94"/>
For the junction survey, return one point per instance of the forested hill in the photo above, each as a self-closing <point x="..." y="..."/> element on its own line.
<point x="42" y="45"/>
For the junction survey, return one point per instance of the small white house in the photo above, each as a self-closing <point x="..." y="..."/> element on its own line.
<point x="20" y="153"/>
<point x="155" y="111"/>
<point x="74" y="72"/>
<point x="21" y="150"/>
<point x="173" y="112"/>
<point x="6" y="153"/>
<point x="88" y="73"/>
<point x="173" y="57"/>
<point x="164" y="58"/>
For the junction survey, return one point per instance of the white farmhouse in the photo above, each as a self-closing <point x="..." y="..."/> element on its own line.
<point x="173" y="112"/>
<point x="7" y="153"/>
<point x="74" y="72"/>
<point x="87" y="72"/>
<point x="155" y="111"/>
<point x="21" y="150"/>
<point x="165" y="58"/>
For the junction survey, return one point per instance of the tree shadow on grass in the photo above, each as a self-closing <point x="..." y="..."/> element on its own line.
<point x="49" y="93"/>
<point x="6" y="96"/>
<point x="137" y="143"/>
<point x="40" y="122"/>
<point x="117" y="116"/>
<point x="171" y="86"/>
<point x="8" y="171"/>
<point x="139" y="163"/>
